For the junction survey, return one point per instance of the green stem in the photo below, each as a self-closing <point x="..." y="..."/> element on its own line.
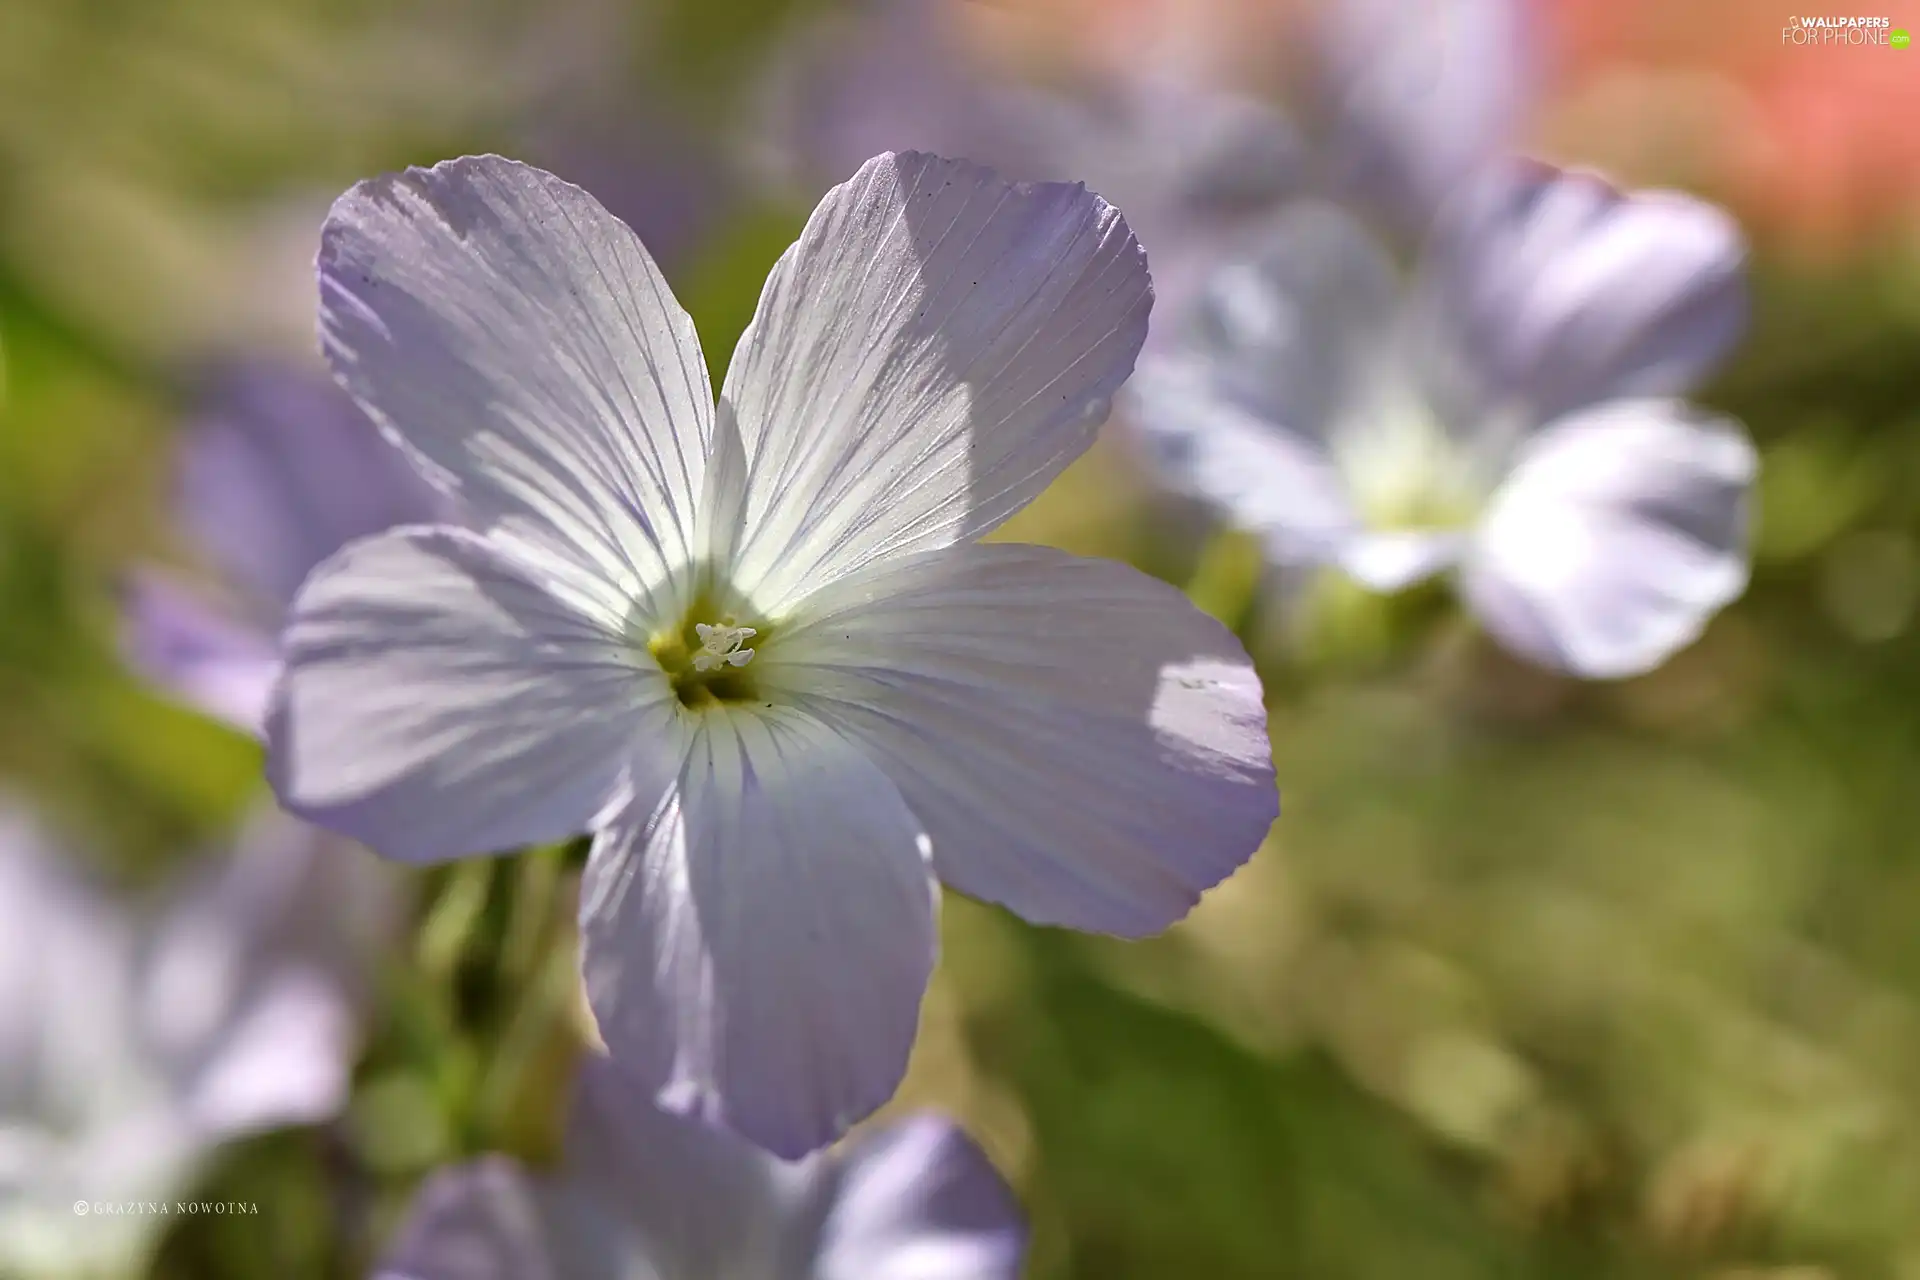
<point x="451" y="919"/>
<point x="532" y="909"/>
<point x="540" y="1009"/>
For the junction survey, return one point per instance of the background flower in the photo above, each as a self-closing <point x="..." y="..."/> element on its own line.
<point x="276" y="474"/>
<point x="133" y="1041"/>
<point x="1192" y="162"/>
<point x="1505" y="410"/>
<point x="1412" y="102"/>
<point x="647" y="1192"/>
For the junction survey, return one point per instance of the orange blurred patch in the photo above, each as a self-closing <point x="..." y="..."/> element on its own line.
<point x="1814" y="142"/>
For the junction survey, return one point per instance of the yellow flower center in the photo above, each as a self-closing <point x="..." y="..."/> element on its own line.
<point x="708" y="658"/>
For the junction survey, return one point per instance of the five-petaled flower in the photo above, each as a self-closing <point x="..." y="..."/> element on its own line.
<point x="647" y="1193"/>
<point x="756" y="648"/>
<point x="1509" y="412"/>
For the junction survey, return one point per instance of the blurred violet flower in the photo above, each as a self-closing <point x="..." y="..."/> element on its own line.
<point x="1403" y="103"/>
<point x="1196" y="170"/>
<point x="890" y="75"/>
<point x="758" y="651"/>
<point x="134" y="1041"/>
<point x="609" y="121"/>
<point x="650" y="1195"/>
<point x="1191" y="165"/>
<point x="1411" y="101"/>
<point x="277" y="473"/>
<point x="1509" y="413"/>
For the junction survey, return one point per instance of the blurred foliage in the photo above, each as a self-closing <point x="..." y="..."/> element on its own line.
<point x="1531" y="980"/>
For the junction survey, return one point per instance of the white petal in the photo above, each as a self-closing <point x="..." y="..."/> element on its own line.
<point x="1620" y="531"/>
<point x="1393" y="560"/>
<point x="919" y="1201"/>
<point x="1565" y="292"/>
<point x="517" y="338"/>
<point x="934" y="349"/>
<point x="437" y="702"/>
<point x="1083" y="745"/>
<point x="757" y="945"/>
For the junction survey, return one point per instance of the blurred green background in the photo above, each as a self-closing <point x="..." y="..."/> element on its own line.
<point x="1532" y="979"/>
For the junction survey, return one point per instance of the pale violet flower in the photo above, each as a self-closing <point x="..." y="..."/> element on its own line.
<point x="1197" y="168"/>
<point x="1193" y="165"/>
<point x="275" y="473"/>
<point x="649" y="1195"/>
<point x="135" y="1038"/>
<point x="876" y="698"/>
<point x="1411" y="101"/>
<point x="1399" y="103"/>
<point x="1509" y="413"/>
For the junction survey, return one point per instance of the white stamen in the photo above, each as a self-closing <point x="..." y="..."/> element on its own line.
<point x="720" y="646"/>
